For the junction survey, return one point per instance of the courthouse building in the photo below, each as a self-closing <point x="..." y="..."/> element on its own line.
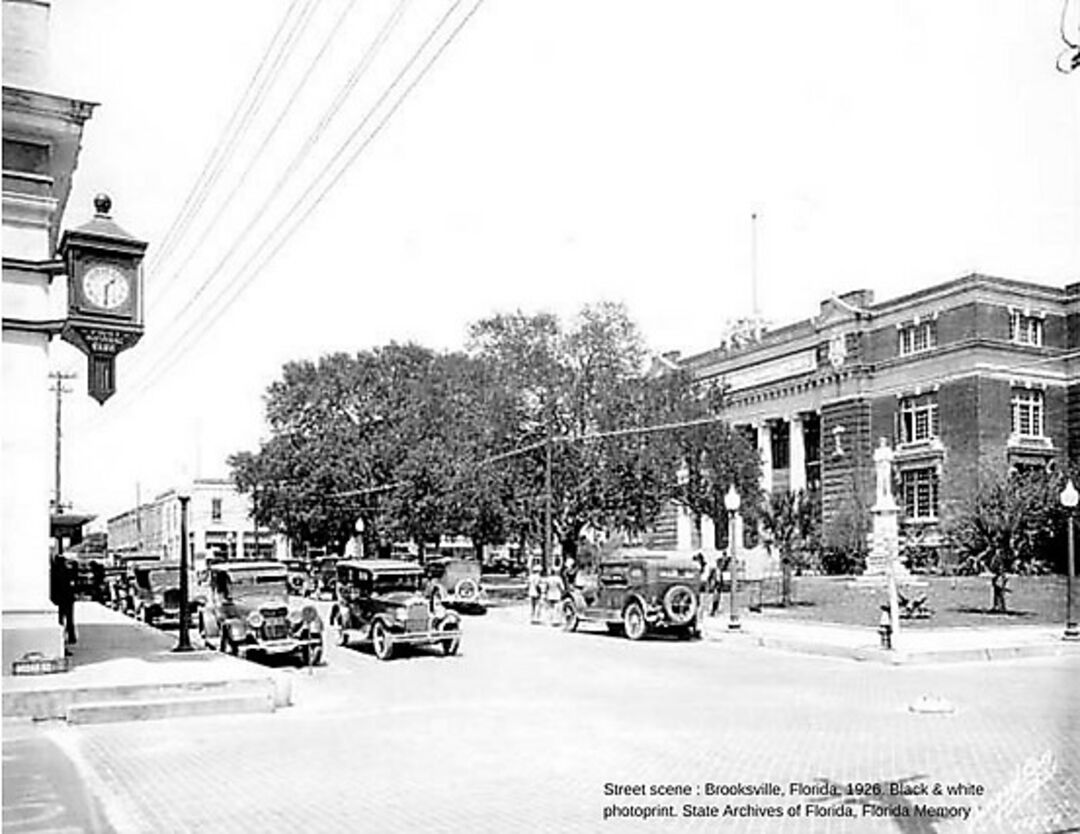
<point x="978" y="372"/>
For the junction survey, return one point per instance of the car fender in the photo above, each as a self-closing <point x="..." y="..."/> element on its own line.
<point x="387" y="622"/>
<point x="210" y="626"/>
<point x="652" y="612"/>
<point x="576" y="596"/>
<point x="450" y="618"/>
<point x="236" y="629"/>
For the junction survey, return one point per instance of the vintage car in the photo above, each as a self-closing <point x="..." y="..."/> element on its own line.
<point x="154" y="594"/>
<point x="635" y="592"/>
<point x="248" y="612"/>
<point x="324" y="577"/>
<point x="382" y="602"/>
<point x="456" y="583"/>
<point x="300" y="581"/>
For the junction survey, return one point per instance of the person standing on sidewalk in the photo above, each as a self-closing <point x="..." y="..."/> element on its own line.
<point x="63" y="596"/>
<point x="715" y="582"/>
<point x="535" y="592"/>
<point x="705" y="595"/>
<point x="554" y="594"/>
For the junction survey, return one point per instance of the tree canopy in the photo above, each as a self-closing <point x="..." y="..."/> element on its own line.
<point x="423" y="444"/>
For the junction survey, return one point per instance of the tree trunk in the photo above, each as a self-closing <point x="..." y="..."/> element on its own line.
<point x="785" y="581"/>
<point x="997" y="583"/>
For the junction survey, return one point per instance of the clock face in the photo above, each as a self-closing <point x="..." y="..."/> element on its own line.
<point x="106" y="287"/>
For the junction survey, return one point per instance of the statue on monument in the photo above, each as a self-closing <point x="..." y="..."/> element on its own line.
<point x="883" y="459"/>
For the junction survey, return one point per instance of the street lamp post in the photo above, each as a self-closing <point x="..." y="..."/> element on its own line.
<point x="183" y="643"/>
<point x="1069" y="499"/>
<point x="732" y="502"/>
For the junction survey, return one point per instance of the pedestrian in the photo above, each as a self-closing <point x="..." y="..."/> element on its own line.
<point x="705" y="601"/>
<point x="885" y="627"/>
<point x="554" y="594"/>
<point x="716" y="582"/>
<point x="535" y="592"/>
<point x="63" y="596"/>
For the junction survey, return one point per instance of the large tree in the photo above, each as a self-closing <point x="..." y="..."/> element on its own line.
<point x="1006" y="526"/>
<point x="584" y="388"/>
<point x="793" y="521"/>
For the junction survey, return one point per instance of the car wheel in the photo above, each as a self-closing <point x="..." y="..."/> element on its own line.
<point x="382" y="642"/>
<point x="569" y="616"/>
<point x="634" y="621"/>
<point x="311" y="655"/>
<point x="451" y="644"/>
<point x="228" y="645"/>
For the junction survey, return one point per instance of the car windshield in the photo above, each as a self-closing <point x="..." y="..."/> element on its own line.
<point x="384" y="583"/>
<point x="263" y="584"/>
<point x="165" y="578"/>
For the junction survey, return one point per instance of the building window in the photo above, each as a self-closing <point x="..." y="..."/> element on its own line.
<point x="215" y="509"/>
<point x="918" y="419"/>
<point x="1027" y="413"/>
<point x="919" y="489"/>
<point x="915" y="338"/>
<point x="1025" y="329"/>
<point x="780" y="439"/>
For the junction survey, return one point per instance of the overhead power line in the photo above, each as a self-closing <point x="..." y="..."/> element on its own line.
<point x="211" y="224"/>
<point x="295" y="216"/>
<point x="294" y="162"/>
<point x="249" y="104"/>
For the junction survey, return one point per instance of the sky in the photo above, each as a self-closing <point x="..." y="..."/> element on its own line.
<point x="556" y="153"/>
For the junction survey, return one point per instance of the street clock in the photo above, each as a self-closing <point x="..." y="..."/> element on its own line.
<point x="103" y="264"/>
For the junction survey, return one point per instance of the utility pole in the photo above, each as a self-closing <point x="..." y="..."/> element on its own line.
<point x="60" y="390"/>
<point x="138" y="515"/>
<point x="548" y="555"/>
<point x="753" y="267"/>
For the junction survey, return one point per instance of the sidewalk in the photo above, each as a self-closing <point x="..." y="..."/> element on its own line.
<point x="922" y="645"/>
<point x="122" y="670"/>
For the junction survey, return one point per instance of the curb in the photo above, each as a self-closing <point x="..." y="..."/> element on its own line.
<point x="898" y="657"/>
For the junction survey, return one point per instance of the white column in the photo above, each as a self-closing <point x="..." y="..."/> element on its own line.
<point x="684" y="528"/>
<point x="797" y="472"/>
<point x="708" y="534"/>
<point x="764" y="437"/>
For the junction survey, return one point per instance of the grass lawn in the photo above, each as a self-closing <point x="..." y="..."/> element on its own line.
<point x="955" y="601"/>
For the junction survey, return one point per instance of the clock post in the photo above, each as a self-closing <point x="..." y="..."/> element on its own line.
<point x="105" y="307"/>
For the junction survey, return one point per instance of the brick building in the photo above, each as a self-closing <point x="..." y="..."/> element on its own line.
<point x="978" y="372"/>
<point x="219" y="526"/>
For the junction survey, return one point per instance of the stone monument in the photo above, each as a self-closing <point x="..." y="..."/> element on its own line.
<point x="882" y="562"/>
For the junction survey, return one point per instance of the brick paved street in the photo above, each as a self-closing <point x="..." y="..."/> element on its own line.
<point x="522" y="731"/>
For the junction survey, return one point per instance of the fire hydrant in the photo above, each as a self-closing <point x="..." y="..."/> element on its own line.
<point x="885" y="628"/>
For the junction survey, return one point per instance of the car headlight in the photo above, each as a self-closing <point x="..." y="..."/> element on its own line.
<point x="399" y="613"/>
<point x="255" y="619"/>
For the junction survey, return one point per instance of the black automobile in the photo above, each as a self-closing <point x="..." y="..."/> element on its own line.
<point x="248" y="613"/>
<point x="635" y="592"/>
<point x="381" y="603"/>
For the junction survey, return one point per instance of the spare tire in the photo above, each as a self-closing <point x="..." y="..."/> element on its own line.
<point x="680" y="604"/>
<point x="466" y="590"/>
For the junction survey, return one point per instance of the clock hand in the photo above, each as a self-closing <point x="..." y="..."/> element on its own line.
<point x="105" y="291"/>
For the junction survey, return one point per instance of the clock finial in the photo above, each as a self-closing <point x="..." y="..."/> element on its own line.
<point x="103" y="204"/>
